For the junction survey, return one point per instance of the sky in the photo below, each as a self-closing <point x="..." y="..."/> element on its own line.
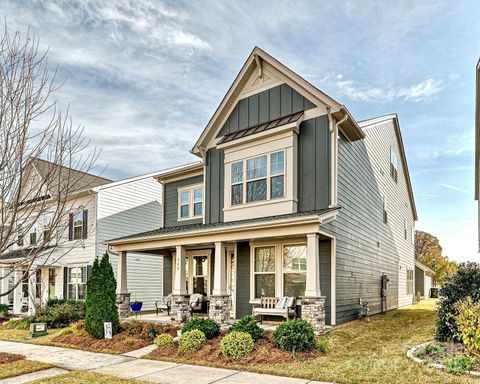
<point x="144" y="77"/>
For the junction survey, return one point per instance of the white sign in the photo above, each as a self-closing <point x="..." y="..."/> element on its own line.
<point x="107" y="328"/>
<point x="40" y="327"/>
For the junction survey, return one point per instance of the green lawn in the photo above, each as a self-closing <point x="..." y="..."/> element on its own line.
<point x="21" y="367"/>
<point x="82" y="377"/>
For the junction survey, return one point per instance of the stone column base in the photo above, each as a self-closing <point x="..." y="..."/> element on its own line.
<point x="219" y="310"/>
<point x="123" y="304"/>
<point x="180" y="309"/>
<point x="313" y="311"/>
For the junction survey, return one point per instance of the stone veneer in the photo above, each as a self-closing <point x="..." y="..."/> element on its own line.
<point x="219" y="310"/>
<point x="313" y="311"/>
<point x="180" y="309"/>
<point x="123" y="304"/>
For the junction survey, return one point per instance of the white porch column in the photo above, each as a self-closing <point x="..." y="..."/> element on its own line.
<point x="17" y="292"/>
<point x="32" y="292"/>
<point x="122" y="272"/>
<point x="180" y="271"/>
<point x="220" y="278"/>
<point x="4" y="284"/>
<point x="312" y="288"/>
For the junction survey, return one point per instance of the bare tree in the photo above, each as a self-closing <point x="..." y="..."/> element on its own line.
<point x="33" y="129"/>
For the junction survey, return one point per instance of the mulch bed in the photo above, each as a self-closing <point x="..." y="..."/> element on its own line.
<point x="265" y="352"/>
<point x="10" y="357"/>
<point x="452" y="350"/>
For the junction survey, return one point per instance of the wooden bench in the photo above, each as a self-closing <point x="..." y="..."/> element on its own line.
<point x="268" y="307"/>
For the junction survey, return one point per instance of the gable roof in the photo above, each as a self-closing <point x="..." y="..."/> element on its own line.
<point x="254" y="62"/>
<point x="477" y="133"/>
<point x="375" y="120"/>
<point x="424" y="268"/>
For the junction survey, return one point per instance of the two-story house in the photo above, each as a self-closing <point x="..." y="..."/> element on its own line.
<point x="96" y="209"/>
<point x="292" y="197"/>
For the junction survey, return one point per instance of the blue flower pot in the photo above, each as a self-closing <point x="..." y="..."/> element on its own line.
<point x="136" y="307"/>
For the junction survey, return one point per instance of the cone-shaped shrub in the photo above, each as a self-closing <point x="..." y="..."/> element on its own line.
<point x="101" y="298"/>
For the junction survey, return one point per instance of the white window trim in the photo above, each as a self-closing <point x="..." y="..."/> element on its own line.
<point x="76" y="226"/>
<point x="190" y="189"/>
<point x="76" y="284"/>
<point x="278" y="245"/>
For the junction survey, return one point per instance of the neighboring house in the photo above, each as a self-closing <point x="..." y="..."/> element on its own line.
<point x="97" y="209"/>
<point x="292" y="197"/>
<point x="477" y="147"/>
<point x="423" y="279"/>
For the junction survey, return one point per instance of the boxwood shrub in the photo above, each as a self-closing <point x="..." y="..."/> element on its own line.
<point x="191" y="341"/>
<point x="163" y="340"/>
<point x="295" y="335"/>
<point x="209" y="327"/>
<point x="236" y="344"/>
<point x="249" y="325"/>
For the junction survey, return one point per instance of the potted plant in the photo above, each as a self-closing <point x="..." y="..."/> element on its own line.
<point x="136" y="305"/>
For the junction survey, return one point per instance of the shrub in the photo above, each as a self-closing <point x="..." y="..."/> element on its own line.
<point x="294" y="335"/>
<point x="22" y="323"/>
<point x="466" y="282"/>
<point x="321" y="344"/>
<point x="249" y="325"/>
<point x="101" y="299"/>
<point x="61" y="315"/>
<point x="191" y="341"/>
<point x="209" y="327"/>
<point x="163" y="339"/>
<point x="152" y="331"/>
<point x="236" y="344"/>
<point x="458" y="364"/>
<point x="433" y="348"/>
<point x="468" y="324"/>
<point x="4" y="312"/>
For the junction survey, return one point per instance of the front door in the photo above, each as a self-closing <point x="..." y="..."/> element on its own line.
<point x="51" y="283"/>
<point x="231" y="280"/>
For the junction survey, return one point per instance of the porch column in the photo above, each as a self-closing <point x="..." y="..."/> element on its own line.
<point x="32" y="292"/>
<point x="17" y="292"/>
<point x="220" y="300"/>
<point x="123" y="297"/>
<point x="180" y="308"/>
<point x="313" y="304"/>
<point x="4" y="284"/>
<point x="312" y="287"/>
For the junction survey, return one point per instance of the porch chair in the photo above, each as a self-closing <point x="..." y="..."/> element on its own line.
<point x="199" y="303"/>
<point x="164" y="304"/>
<point x="273" y="306"/>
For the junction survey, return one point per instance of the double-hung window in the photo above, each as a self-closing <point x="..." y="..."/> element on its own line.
<point x="264" y="272"/>
<point x="410" y="281"/>
<point x="33" y="234"/>
<point x="258" y="179"/>
<point x="78" y="226"/>
<point x="405" y="231"/>
<point x="393" y="164"/>
<point x="77" y="280"/>
<point x="384" y="208"/>
<point x="47" y="227"/>
<point x="190" y="202"/>
<point x="294" y="270"/>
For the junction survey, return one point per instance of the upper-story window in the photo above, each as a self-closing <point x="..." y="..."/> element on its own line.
<point x="385" y="212"/>
<point x="259" y="178"/>
<point x="190" y="202"/>
<point x="33" y="234"/>
<point x="405" y="230"/>
<point x="77" y="227"/>
<point x="393" y="164"/>
<point x="47" y="226"/>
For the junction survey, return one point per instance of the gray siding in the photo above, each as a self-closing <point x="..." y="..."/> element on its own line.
<point x="365" y="245"/>
<point x="243" y="306"/>
<point x="171" y="201"/>
<point x="167" y="274"/>
<point x="419" y="281"/>
<point x="326" y="277"/>
<point x="214" y="186"/>
<point x="313" y="164"/>
<point x="265" y="106"/>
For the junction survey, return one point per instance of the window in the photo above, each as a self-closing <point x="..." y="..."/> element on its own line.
<point x="393" y="165"/>
<point x="20" y="237"/>
<point x="409" y="281"/>
<point x="385" y="214"/>
<point x="190" y="202"/>
<point x="33" y="234"/>
<point x="77" y="280"/>
<point x="413" y="234"/>
<point x="264" y="178"/>
<point x="294" y="270"/>
<point x="200" y="274"/>
<point x="78" y="226"/>
<point x="47" y="224"/>
<point x="264" y="272"/>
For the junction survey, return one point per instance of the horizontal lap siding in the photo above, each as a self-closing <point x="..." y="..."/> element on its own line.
<point x="126" y="209"/>
<point x="419" y="281"/>
<point x="171" y="201"/>
<point x="325" y="276"/>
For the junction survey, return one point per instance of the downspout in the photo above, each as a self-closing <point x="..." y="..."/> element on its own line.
<point x="334" y="156"/>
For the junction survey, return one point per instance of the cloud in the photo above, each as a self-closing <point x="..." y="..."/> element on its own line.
<point x="454" y="188"/>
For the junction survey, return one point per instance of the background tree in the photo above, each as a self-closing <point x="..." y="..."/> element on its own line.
<point x="33" y="127"/>
<point x="429" y="252"/>
<point x="101" y="298"/>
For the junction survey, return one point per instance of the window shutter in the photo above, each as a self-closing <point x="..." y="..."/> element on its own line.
<point x="85" y="223"/>
<point x="70" y="227"/>
<point x="65" y="282"/>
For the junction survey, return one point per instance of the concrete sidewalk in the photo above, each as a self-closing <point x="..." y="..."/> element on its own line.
<point x="127" y="366"/>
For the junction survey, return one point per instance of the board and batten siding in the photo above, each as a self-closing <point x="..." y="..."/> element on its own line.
<point x="380" y="139"/>
<point x="171" y="201"/>
<point x="125" y="209"/>
<point x="214" y="186"/>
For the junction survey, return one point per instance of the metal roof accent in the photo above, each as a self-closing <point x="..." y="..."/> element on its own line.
<point x="292" y="118"/>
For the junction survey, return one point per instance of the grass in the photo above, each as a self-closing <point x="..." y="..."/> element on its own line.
<point x="370" y="352"/>
<point x="21" y="367"/>
<point x="82" y="377"/>
<point x="20" y="335"/>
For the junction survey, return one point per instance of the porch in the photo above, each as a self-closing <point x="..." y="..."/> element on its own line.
<point x="233" y="269"/>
